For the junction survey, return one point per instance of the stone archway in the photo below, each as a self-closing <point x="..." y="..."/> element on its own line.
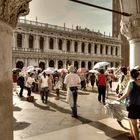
<point x="19" y="64"/>
<point x="51" y="63"/>
<point x="42" y="65"/>
<point x="76" y="64"/>
<point x="89" y="65"/>
<point x="60" y="64"/>
<point x="83" y="64"/>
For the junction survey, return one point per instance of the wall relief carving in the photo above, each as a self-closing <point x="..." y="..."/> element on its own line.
<point x="130" y="27"/>
<point x="10" y="10"/>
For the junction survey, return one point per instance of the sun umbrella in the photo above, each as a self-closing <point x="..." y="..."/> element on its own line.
<point x="37" y="69"/>
<point x="16" y="70"/>
<point x="82" y="70"/>
<point x="100" y="65"/>
<point x="93" y="71"/>
<point x="47" y="71"/>
<point x="31" y="70"/>
<point x="112" y="68"/>
<point x="62" y="70"/>
<point x="50" y="70"/>
<point x="30" y="67"/>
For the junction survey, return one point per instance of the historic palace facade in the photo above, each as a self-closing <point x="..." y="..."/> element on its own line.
<point x="45" y="45"/>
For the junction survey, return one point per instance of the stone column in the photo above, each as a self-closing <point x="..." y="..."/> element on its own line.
<point x="36" y="42"/>
<point x="15" y="40"/>
<point x="98" y="49"/>
<point x="9" y="13"/>
<point x="79" y="47"/>
<point x="104" y="47"/>
<point x="64" y="45"/>
<point x="86" y="47"/>
<point x="130" y="28"/>
<point x="6" y="106"/>
<point x="56" y="64"/>
<point x="72" y="46"/>
<point x="46" y="44"/>
<point x="26" y="41"/>
<point x="56" y="44"/>
<point x="92" y="48"/>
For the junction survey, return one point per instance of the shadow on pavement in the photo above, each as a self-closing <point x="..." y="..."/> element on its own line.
<point x="19" y="125"/>
<point x="59" y="108"/>
<point x="109" y="131"/>
<point x="16" y="108"/>
<point x="43" y="107"/>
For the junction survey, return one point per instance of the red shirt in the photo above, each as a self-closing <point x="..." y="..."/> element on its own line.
<point x="14" y="78"/>
<point x="102" y="79"/>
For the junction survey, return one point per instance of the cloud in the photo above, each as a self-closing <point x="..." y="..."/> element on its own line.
<point x="58" y="12"/>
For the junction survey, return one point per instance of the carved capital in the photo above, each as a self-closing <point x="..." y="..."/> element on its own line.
<point x="10" y="10"/>
<point x="130" y="27"/>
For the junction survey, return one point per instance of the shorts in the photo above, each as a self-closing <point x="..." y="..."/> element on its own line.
<point x="134" y="112"/>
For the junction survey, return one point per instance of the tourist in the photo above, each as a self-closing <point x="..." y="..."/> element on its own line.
<point x="15" y="77"/>
<point x="57" y="87"/>
<point x="29" y="83"/>
<point x="92" y="79"/>
<point x="43" y="84"/>
<point x="20" y="82"/>
<point x="102" y="82"/>
<point x="123" y="81"/>
<point x="72" y="80"/>
<point x="133" y="94"/>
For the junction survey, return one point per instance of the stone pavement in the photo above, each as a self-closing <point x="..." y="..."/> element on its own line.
<point x="38" y="121"/>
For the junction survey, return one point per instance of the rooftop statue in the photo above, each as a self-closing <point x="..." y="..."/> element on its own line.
<point x="10" y="10"/>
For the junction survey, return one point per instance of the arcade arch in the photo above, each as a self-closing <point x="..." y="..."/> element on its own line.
<point x="42" y="65"/>
<point x="19" y="40"/>
<point x="31" y="41"/>
<point x="51" y="63"/>
<point x="19" y="64"/>
<point x="41" y="43"/>
<point x="60" y="64"/>
<point x="83" y="64"/>
<point x="76" y="64"/>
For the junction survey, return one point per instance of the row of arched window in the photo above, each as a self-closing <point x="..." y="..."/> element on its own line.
<point x="60" y="64"/>
<point x="68" y="45"/>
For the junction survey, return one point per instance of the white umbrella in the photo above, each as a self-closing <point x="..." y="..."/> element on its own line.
<point x="100" y="65"/>
<point x="62" y="70"/>
<point x="51" y="69"/>
<point x="30" y="67"/>
<point x="37" y="69"/>
<point x="93" y="71"/>
<point x="16" y="70"/>
<point x="31" y="70"/>
<point x="112" y="68"/>
<point x="47" y="71"/>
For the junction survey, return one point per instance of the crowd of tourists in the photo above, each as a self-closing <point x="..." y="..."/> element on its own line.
<point x="71" y="80"/>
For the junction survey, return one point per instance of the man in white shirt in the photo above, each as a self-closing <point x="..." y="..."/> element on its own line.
<point x="72" y="80"/>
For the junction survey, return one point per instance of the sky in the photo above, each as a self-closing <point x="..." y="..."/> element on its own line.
<point x="58" y="12"/>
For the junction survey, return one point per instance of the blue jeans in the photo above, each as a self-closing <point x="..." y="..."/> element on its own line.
<point x="44" y="93"/>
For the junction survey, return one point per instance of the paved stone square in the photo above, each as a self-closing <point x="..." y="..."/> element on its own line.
<point x="33" y="121"/>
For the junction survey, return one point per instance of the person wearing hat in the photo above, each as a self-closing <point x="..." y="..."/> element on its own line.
<point x="72" y="80"/>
